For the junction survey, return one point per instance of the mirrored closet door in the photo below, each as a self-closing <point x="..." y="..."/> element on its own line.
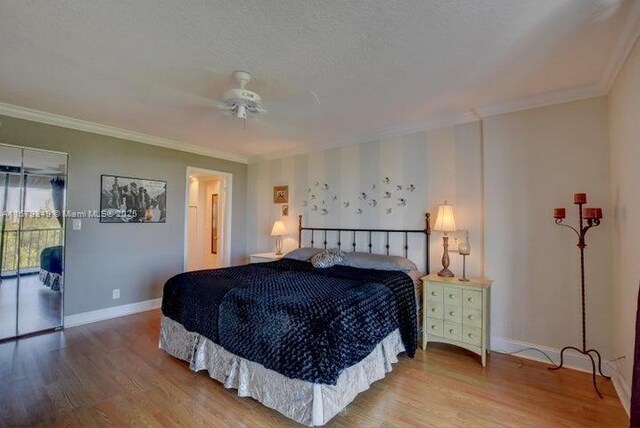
<point x="32" y="200"/>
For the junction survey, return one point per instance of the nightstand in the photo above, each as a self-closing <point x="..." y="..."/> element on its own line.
<point x="264" y="257"/>
<point x="457" y="313"/>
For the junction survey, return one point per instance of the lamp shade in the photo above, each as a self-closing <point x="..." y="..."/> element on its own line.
<point x="445" y="221"/>
<point x="278" y="228"/>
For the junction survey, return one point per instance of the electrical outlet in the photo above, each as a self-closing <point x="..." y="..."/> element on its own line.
<point x="77" y="224"/>
<point x="116" y="293"/>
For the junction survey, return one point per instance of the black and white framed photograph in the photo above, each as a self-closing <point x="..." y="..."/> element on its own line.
<point x="132" y="200"/>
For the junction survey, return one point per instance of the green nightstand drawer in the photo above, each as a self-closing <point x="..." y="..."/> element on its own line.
<point x="472" y="335"/>
<point x="434" y="327"/>
<point x="435" y="310"/>
<point x="434" y="292"/>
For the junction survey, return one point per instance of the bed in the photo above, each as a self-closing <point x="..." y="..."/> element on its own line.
<point x="302" y="340"/>
<point x="51" y="267"/>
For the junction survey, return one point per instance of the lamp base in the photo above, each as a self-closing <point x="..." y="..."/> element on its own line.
<point x="446" y="273"/>
<point x="445" y="258"/>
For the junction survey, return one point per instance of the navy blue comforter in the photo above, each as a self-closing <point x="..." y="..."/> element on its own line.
<point x="302" y="322"/>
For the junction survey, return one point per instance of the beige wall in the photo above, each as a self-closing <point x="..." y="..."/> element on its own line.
<point x="529" y="162"/>
<point x="536" y="160"/>
<point x="441" y="164"/>
<point x="624" y="113"/>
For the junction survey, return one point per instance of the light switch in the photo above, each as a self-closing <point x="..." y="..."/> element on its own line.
<point x="77" y="224"/>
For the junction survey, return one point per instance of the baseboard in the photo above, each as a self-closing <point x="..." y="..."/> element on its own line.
<point x="622" y="388"/>
<point x="572" y="360"/>
<point x="112" y="312"/>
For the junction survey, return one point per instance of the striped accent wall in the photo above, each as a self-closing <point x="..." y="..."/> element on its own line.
<point x="442" y="164"/>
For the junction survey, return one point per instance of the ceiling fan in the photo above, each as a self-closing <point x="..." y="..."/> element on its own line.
<point x="241" y="102"/>
<point x="289" y="107"/>
<point x="246" y="104"/>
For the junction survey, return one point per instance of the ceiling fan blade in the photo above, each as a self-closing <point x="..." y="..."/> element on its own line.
<point x="203" y="83"/>
<point x="304" y="105"/>
<point x="184" y="100"/>
<point x="281" y="128"/>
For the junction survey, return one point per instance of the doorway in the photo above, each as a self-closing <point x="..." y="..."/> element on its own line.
<point x="207" y="219"/>
<point x="32" y="203"/>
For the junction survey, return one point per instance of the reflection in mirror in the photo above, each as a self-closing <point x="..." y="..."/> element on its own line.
<point x="10" y="159"/>
<point x="41" y="254"/>
<point x="44" y="163"/>
<point x="32" y="198"/>
<point x="9" y="226"/>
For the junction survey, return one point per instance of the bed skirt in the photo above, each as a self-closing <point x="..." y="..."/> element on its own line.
<point x="50" y="279"/>
<point x="309" y="403"/>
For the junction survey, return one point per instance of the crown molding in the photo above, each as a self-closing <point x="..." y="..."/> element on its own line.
<point x="398" y="131"/>
<point x="473" y="115"/>
<point x="112" y="131"/>
<point x="629" y="35"/>
<point x="541" y="100"/>
<point x="622" y="49"/>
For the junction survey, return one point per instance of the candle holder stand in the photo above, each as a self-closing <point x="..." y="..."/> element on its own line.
<point x="593" y="354"/>
<point x="464" y="269"/>
<point x="464" y="249"/>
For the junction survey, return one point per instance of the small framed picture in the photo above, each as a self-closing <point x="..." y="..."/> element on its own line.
<point x="285" y="210"/>
<point x="280" y="194"/>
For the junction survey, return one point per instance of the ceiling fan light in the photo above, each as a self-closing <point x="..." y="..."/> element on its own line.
<point x="242" y="112"/>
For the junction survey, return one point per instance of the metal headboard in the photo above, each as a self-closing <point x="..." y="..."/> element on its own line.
<point x="369" y="232"/>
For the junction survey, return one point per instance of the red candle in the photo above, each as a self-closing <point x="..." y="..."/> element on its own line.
<point x="598" y="212"/>
<point x="559" y="213"/>
<point x="589" y="213"/>
<point x="579" y="198"/>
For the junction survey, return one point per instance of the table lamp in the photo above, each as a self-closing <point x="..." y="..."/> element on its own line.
<point x="278" y="230"/>
<point x="445" y="223"/>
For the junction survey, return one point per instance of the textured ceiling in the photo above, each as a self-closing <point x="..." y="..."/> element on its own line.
<point x="157" y="66"/>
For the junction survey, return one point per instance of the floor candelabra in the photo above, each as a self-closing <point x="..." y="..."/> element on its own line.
<point x="589" y="217"/>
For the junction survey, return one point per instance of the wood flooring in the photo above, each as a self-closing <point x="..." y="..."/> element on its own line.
<point x="112" y="373"/>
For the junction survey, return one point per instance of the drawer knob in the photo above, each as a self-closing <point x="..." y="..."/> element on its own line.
<point x="470" y="317"/>
<point x="451" y="330"/>
<point x="451" y="313"/>
<point x="451" y="296"/>
<point x="433" y="293"/>
<point x="433" y="327"/>
<point x="433" y="309"/>
<point x="471" y="335"/>
<point x="470" y="299"/>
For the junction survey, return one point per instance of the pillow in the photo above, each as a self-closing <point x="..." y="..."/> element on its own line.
<point x="303" y="254"/>
<point x="327" y="258"/>
<point x="378" y="261"/>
